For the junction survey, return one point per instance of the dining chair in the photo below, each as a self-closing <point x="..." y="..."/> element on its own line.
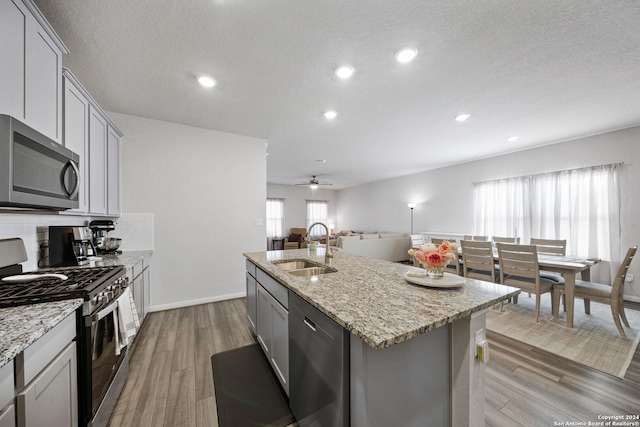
<point x="454" y="265"/>
<point x="606" y="294"/>
<point x="477" y="260"/>
<point x="417" y="240"/>
<point x="515" y="240"/>
<point x="476" y="238"/>
<point x="519" y="268"/>
<point x="550" y="246"/>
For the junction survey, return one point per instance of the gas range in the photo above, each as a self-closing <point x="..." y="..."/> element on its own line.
<point x="103" y="363"/>
<point x="96" y="285"/>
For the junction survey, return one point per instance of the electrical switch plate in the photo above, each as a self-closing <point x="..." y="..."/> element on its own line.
<point x="629" y="278"/>
<point x="258" y="222"/>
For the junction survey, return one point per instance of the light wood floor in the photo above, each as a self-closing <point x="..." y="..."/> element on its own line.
<point x="170" y="383"/>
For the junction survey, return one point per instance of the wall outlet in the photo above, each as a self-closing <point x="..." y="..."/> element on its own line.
<point x="478" y="339"/>
<point x="629" y="278"/>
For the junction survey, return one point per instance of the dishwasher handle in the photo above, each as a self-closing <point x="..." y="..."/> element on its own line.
<point x="310" y="323"/>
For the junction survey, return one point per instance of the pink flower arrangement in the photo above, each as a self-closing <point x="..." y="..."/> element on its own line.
<point x="435" y="257"/>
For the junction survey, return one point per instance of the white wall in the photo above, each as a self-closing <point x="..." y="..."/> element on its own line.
<point x="295" y="204"/>
<point x="445" y="196"/>
<point x="204" y="189"/>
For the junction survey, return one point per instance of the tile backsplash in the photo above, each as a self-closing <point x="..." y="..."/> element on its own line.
<point x="135" y="230"/>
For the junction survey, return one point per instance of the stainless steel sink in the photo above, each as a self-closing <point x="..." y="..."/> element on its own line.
<point x="303" y="267"/>
<point x="295" y="264"/>
<point x="312" y="271"/>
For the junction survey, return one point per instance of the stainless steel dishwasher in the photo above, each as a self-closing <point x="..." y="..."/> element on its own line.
<point x="318" y="367"/>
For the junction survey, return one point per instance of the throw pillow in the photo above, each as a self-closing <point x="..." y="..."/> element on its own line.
<point x="294" y="237"/>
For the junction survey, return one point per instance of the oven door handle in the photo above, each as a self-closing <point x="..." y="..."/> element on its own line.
<point x="105" y="311"/>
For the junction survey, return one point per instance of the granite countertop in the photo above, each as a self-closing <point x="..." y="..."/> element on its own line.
<point x="22" y="326"/>
<point x="126" y="258"/>
<point x="371" y="299"/>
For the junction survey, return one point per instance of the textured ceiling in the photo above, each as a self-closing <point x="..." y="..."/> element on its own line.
<point x="546" y="71"/>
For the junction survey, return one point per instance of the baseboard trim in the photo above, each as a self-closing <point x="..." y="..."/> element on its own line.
<point x="180" y="304"/>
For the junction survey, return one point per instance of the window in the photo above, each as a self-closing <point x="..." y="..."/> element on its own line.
<point x="275" y="218"/>
<point x="317" y="211"/>
<point x="580" y="205"/>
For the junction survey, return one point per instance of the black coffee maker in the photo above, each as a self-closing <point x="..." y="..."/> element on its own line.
<point x="69" y="245"/>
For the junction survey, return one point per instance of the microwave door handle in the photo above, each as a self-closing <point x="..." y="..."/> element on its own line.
<point x="71" y="194"/>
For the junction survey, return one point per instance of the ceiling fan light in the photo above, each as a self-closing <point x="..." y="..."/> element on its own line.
<point x="313" y="186"/>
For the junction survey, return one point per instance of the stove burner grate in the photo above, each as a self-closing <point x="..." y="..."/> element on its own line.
<point x="81" y="283"/>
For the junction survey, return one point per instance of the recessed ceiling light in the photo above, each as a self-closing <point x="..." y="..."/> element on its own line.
<point x="330" y="114"/>
<point x="462" y="117"/>
<point x="344" y="71"/>
<point x="512" y="138"/>
<point x="406" y="54"/>
<point x="207" y="81"/>
<point x="321" y="160"/>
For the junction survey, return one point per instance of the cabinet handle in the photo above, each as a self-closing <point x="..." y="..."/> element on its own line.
<point x="71" y="194"/>
<point x="310" y="324"/>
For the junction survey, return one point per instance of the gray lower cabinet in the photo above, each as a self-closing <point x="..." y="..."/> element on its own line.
<point x="251" y="302"/>
<point x="272" y="324"/>
<point x="7" y="393"/>
<point x="43" y="381"/>
<point x="51" y="398"/>
<point x="139" y="283"/>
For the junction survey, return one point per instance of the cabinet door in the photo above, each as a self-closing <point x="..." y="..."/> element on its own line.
<point x="113" y="173"/>
<point x="43" y="81"/>
<point x="13" y="22"/>
<point x="264" y="319"/>
<point x="138" y="294"/>
<point x="51" y="398"/>
<point x="251" y="302"/>
<point x="97" y="162"/>
<point x="146" y="294"/>
<point x="8" y="416"/>
<point x="76" y="135"/>
<point x="280" y="343"/>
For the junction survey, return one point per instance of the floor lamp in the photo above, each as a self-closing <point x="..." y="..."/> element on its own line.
<point x="411" y="206"/>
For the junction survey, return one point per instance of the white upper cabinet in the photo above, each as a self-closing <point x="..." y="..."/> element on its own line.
<point x="76" y="132"/>
<point x="13" y="24"/>
<point x="31" y="86"/>
<point x="97" y="162"/>
<point x="113" y="171"/>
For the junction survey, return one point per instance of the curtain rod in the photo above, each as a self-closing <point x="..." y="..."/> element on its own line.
<point x="553" y="172"/>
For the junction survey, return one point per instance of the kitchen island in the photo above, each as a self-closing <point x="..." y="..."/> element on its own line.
<point x="412" y="349"/>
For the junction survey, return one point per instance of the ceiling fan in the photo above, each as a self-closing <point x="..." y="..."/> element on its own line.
<point x="313" y="183"/>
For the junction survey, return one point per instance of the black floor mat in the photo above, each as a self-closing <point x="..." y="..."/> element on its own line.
<point x="247" y="390"/>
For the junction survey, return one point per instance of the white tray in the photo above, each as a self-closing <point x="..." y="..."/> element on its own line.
<point x="447" y="281"/>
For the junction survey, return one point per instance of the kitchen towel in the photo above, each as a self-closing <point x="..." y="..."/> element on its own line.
<point x="126" y="319"/>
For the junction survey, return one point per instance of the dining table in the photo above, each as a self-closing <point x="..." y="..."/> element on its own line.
<point x="568" y="266"/>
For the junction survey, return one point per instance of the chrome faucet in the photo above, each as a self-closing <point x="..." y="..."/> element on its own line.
<point x="328" y="253"/>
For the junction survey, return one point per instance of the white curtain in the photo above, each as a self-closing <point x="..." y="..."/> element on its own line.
<point x="580" y="205"/>
<point x="317" y="211"/>
<point x="275" y="219"/>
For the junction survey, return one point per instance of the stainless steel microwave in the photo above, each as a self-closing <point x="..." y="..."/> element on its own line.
<point x="35" y="171"/>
